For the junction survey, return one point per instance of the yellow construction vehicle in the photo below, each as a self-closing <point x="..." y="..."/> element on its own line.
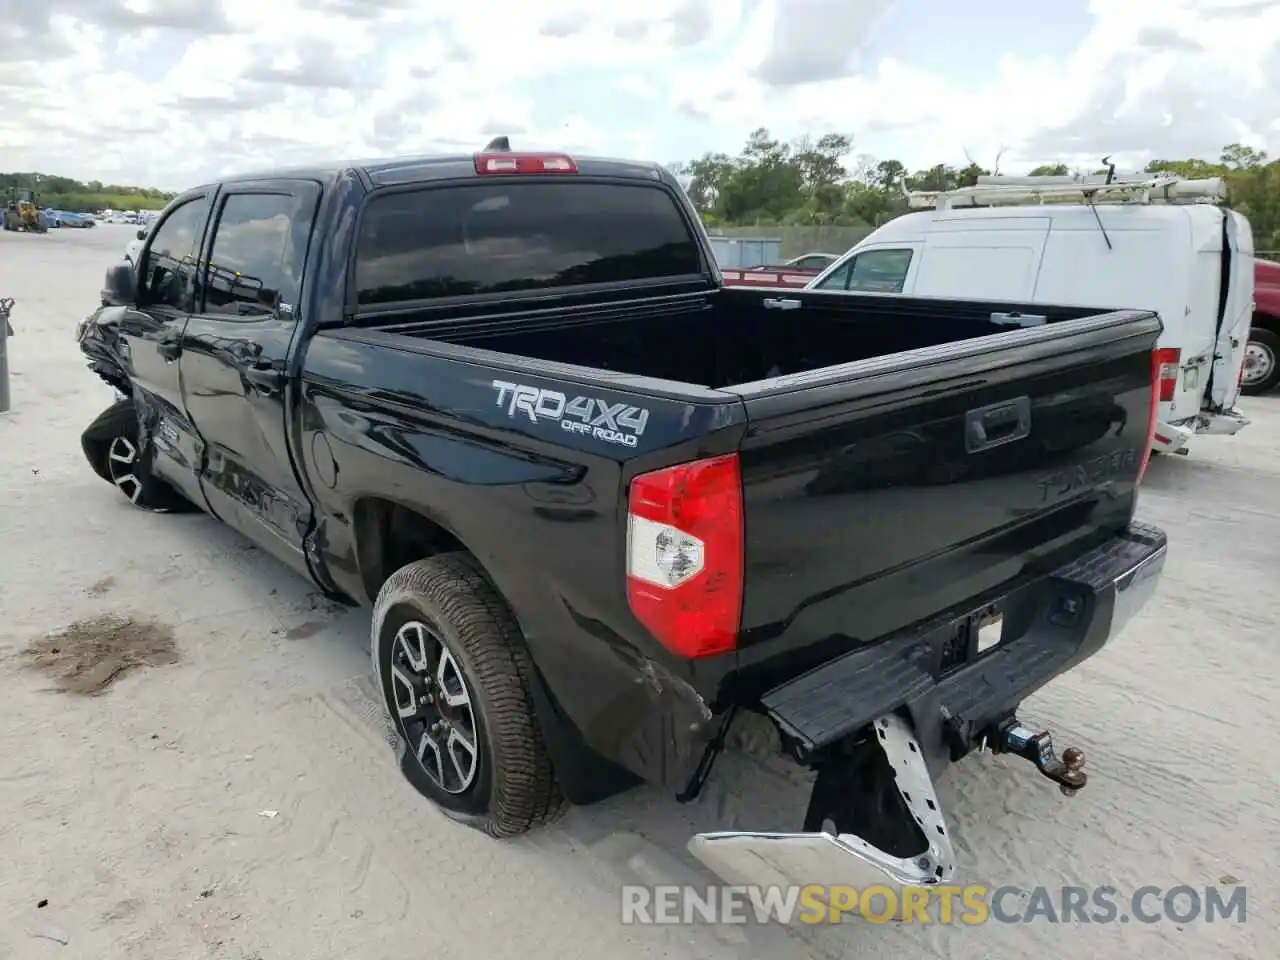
<point x="21" y="213"/>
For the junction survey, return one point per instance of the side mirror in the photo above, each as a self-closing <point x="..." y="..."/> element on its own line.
<point x="142" y="234"/>
<point x="120" y="286"/>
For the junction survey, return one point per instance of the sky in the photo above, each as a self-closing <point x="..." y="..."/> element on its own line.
<point x="171" y="93"/>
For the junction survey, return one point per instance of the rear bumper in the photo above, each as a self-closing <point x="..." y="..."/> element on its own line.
<point x="925" y="718"/>
<point x="1170" y="438"/>
<point x="1227" y="424"/>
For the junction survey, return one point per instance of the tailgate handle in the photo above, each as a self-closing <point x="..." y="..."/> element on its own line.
<point x="781" y="303"/>
<point x="1000" y="423"/>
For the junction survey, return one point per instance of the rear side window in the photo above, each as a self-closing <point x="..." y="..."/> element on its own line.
<point x="509" y="236"/>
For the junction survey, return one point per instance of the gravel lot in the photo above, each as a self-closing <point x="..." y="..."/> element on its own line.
<point x="140" y="815"/>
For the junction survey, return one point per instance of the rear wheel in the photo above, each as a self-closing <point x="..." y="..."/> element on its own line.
<point x="111" y="445"/>
<point x="456" y="681"/>
<point x="1261" y="367"/>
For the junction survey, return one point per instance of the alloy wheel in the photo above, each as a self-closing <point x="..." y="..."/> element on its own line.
<point x="122" y="461"/>
<point x="434" y="708"/>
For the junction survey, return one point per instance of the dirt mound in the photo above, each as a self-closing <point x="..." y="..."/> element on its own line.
<point x="89" y="655"/>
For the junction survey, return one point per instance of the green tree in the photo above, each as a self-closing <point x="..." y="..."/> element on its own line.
<point x="816" y="181"/>
<point x="64" y="193"/>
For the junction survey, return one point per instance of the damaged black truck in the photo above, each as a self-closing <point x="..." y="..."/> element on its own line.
<point x="601" y="504"/>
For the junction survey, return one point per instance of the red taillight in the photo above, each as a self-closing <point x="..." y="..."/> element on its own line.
<point x="685" y="555"/>
<point x="1168" y="363"/>
<point x="1153" y="411"/>
<point x="509" y="163"/>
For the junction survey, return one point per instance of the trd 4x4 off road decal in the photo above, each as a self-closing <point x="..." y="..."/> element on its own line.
<point x="612" y="422"/>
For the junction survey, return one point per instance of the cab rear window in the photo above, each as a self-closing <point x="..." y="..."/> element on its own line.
<point x="500" y="237"/>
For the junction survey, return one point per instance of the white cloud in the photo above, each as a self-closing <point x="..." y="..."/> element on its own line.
<point x="637" y="86"/>
<point x="168" y="92"/>
<point x="1210" y="75"/>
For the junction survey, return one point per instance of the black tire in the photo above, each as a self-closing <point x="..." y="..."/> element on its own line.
<point x="512" y="787"/>
<point x="1266" y="344"/>
<point x="112" y="437"/>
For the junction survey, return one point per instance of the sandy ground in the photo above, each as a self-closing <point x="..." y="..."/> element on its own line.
<point x="139" y="815"/>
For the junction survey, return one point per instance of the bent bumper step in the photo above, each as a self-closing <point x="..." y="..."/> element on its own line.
<point x="1100" y="592"/>
<point x="844" y="859"/>
<point x="822" y="707"/>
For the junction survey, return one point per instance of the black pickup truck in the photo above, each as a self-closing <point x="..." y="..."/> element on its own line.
<point x="600" y="504"/>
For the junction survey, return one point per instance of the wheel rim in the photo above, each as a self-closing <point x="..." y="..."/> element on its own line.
<point x="122" y="461"/>
<point x="433" y="707"/>
<point x="1259" y="362"/>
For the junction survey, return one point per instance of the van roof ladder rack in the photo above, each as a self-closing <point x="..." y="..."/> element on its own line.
<point x="1002" y="190"/>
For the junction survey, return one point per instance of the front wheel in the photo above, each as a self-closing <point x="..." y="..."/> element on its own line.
<point x="456" y="680"/>
<point x="1261" y="372"/>
<point x="112" y="446"/>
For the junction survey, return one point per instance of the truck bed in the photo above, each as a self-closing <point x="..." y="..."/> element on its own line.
<point x="902" y="458"/>
<point x="733" y="337"/>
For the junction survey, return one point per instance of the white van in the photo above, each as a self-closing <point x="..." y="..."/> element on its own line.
<point x="1190" y="262"/>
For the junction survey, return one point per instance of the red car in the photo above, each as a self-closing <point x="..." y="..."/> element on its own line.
<point x="1261" y="367"/>
<point x="796" y="272"/>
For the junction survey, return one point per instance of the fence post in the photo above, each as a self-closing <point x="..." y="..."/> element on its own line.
<point x="6" y="331"/>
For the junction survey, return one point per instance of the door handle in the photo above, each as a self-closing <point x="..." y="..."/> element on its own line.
<point x="245" y="350"/>
<point x="997" y="424"/>
<point x="781" y="303"/>
<point x="170" y="348"/>
<point x="263" y="375"/>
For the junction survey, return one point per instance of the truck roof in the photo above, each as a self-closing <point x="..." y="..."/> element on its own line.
<point x="420" y="169"/>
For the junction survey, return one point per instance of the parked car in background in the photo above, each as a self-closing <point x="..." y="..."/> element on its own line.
<point x="817" y="262"/>
<point x="796" y="272"/>
<point x="1262" y="355"/>
<point x="77" y="221"/>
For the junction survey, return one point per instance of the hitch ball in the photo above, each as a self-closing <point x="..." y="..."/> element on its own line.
<point x="1073" y="760"/>
<point x="1067" y="772"/>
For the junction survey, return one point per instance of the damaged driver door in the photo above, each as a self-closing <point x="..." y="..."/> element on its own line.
<point x="149" y="338"/>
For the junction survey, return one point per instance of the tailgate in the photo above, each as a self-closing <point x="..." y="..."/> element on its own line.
<point x="883" y="493"/>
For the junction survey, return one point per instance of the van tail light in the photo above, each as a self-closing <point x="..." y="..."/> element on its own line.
<point x="1153" y="410"/>
<point x="516" y="163"/>
<point x="1169" y="362"/>
<point x="685" y="555"/>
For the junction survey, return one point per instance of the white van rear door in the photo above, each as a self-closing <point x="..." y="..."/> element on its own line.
<point x="1237" y="316"/>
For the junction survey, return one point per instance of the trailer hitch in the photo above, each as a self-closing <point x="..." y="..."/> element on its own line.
<point x="1010" y="736"/>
